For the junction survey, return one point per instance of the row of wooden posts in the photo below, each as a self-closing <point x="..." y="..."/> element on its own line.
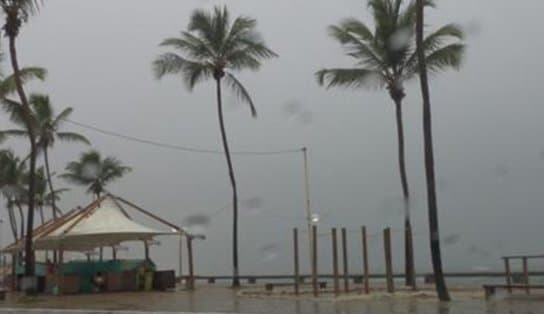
<point x="335" y="265"/>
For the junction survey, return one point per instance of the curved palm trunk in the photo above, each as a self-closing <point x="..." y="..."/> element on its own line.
<point x="29" y="261"/>
<point x="235" y="275"/>
<point x="50" y="182"/>
<point x="441" y="287"/>
<point x="408" y="239"/>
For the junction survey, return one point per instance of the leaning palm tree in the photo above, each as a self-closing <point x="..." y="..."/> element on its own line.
<point x="46" y="127"/>
<point x="385" y="57"/>
<point x="16" y="13"/>
<point x="94" y="172"/>
<point x="212" y="48"/>
<point x="441" y="287"/>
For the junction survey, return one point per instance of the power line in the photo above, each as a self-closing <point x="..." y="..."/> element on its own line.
<point x="178" y="147"/>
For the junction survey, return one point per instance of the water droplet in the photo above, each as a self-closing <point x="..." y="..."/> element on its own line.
<point x="315" y="218"/>
<point x="292" y="108"/>
<point x="451" y="239"/>
<point x="401" y="39"/>
<point x="306" y="117"/>
<point x="90" y="170"/>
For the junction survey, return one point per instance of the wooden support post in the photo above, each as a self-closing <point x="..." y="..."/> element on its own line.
<point x="146" y="248"/>
<point x="388" y="260"/>
<point x="180" y="255"/>
<point x="295" y="249"/>
<point x="191" y="279"/>
<point x="114" y="253"/>
<point x="345" y="259"/>
<point x="60" y="281"/>
<point x="508" y="274"/>
<point x="335" y="263"/>
<point x="101" y="252"/>
<point x="366" y="282"/>
<point x="13" y="272"/>
<point x="526" y="275"/>
<point x="314" y="261"/>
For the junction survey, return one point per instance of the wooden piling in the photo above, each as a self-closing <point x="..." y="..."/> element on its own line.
<point x="526" y="275"/>
<point x="508" y="274"/>
<point x="366" y="283"/>
<point x="335" y="263"/>
<point x="114" y="253"/>
<point x="314" y="262"/>
<point x="295" y="248"/>
<point x="345" y="259"/>
<point x="388" y="260"/>
<point x="191" y="279"/>
<point x="101" y="253"/>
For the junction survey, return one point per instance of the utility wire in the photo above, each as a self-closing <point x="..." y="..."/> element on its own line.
<point x="178" y="147"/>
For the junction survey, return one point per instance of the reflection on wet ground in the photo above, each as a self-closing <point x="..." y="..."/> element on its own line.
<point x="224" y="300"/>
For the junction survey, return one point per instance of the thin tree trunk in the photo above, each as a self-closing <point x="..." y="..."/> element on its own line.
<point x="29" y="262"/>
<point x="42" y="218"/>
<point x="13" y="223"/>
<point x="408" y="244"/>
<point x="22" y="218"/>
<point x="50" y="182"/>
<point x="441" y="287"/>
<point x="235" y="275"/>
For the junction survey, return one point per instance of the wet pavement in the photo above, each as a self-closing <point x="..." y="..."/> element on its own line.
<point x="224" y="300"/>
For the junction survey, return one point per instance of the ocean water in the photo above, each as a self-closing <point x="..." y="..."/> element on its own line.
<point x="224" y="300"/>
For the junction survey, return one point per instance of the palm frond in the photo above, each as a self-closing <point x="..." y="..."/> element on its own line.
<point x="13" y="133"/>
<point x="358" y="28"/>
<point x="14" y="109"/>
<point x="356" y="48"/>
<point x="192" y="72"/>
<point x="193" y="46"/>
<point x="450" y="56"/>
<point x="7" y="85"/>
<point x="350" y="78"/>
<point x="63" y="116"/>
<point x="72" y="137"/>
<point x="201" y="23"/>
<point x="240" y="91"/>
<point x="41" y="106"/>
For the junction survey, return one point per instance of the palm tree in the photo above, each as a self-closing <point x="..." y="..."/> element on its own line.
<point x="210" y="49"/>
<point x="386" y="58"/>
<point x="46" y="127"/>
<point x="94" y="172"/>
<point x="441" y="287"/>
<point x="13" y="177"/>
<point x="16" y="13"/>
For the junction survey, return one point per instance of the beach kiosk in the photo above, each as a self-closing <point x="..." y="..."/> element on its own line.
<point x="105" y="223"/>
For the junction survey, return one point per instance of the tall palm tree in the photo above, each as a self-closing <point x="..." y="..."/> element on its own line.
<point x="436" y="257"/>
<point x="16" y="13"/>
<point x="385" y="57"/>
<point x="94" y="172"/>
<point x="46" y="127"/>
<point x="212" y="48"/>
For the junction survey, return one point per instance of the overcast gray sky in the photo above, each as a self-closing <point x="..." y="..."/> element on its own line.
<point x="487" y="123"/>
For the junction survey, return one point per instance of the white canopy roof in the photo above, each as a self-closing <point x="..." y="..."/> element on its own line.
<point x="104" y="222"/>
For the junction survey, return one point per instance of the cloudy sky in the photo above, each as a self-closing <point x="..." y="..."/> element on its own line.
<point x="487" y="123"/>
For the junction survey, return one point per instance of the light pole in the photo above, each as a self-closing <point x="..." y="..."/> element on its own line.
<point x="311" y="219"/>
